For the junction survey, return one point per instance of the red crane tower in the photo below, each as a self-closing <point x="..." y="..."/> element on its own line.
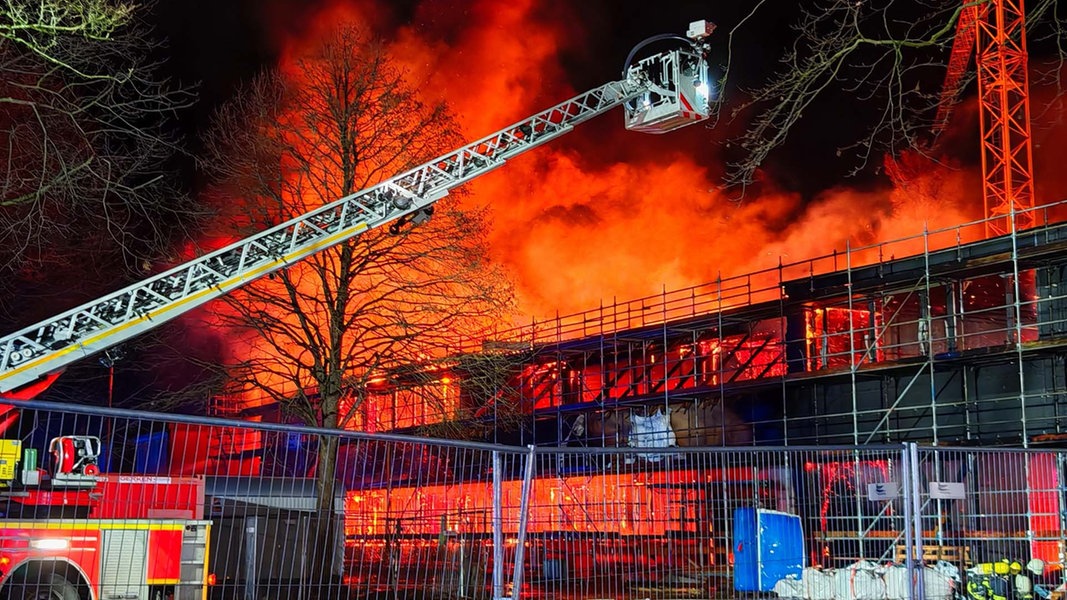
<point x="995" y="31"/>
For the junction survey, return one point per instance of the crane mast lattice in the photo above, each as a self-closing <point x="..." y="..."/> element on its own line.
<point x="1004" y="91"/>
<point x="994" y="31"/>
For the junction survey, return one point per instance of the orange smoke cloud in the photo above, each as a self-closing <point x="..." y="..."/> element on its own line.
<point x="575" y="234"/>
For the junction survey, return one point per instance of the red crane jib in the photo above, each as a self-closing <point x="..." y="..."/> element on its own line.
<point x="963" y="48"/>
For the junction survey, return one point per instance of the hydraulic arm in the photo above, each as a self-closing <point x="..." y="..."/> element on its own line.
<point x="662" y="92"/>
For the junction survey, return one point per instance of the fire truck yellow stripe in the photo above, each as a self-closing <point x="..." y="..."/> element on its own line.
<point x="163" y="581"/>
<point x="207" y="556"/>
<point x="86" y="525"/>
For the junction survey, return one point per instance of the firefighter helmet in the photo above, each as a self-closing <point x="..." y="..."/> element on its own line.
<point x="1036" y="566"/>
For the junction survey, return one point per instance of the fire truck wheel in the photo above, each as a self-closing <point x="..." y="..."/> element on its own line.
<point x="54" y="587"/>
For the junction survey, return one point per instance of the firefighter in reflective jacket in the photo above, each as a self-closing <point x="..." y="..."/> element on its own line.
<point x="1003" y="580"/>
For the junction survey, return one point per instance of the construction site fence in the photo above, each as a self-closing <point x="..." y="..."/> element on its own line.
<point x="299" y="512"/>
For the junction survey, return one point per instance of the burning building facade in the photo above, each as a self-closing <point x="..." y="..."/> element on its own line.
<point x="962" y="342"/>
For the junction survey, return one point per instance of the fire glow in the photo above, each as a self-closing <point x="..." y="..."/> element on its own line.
<point x="576" y="229"/>
<point x="629" y="503"/>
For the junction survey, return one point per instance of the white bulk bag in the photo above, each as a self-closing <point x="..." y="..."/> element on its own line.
<point x="818" y="585"/>
<point x="897" y="582"/>
<point x="936" y="585"/>
<point x="859" y="581"/>
<point x="789" y="587"/>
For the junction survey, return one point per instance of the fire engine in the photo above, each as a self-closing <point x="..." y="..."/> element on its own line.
<point x="79" y="534"/>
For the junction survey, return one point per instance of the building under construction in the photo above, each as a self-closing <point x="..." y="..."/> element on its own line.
<point x="951" y="336"/>
<point x="962" y="342"/>
<point x="828" y="364"/>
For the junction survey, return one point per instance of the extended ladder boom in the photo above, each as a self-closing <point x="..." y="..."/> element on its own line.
<point x="662" y="92"/>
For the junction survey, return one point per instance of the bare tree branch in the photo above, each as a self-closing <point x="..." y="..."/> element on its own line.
<point x="886" y="58"/>
<point x="39" y="27"/>
<point x="88" y="166"/>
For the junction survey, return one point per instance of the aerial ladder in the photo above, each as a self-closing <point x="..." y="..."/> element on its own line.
<point x="660" y="93"/>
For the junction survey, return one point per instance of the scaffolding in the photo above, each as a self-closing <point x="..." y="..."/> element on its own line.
<point x="943" y="337"/>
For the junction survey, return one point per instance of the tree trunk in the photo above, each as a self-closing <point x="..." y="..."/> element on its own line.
<point x="323" y="537"/>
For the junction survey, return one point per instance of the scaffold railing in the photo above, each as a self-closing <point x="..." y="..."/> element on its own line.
<point x="747" y="289"/>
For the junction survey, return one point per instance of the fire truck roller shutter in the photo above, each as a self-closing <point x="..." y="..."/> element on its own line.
<point x="54" y="580"/>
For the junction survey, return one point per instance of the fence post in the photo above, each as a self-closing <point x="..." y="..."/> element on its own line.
<point x="916" y="550"/>
<point x="498" y="527"/>
<point x="905" y="476"/>
<point x="524" y="509"/>
<point x="251" y="588"/>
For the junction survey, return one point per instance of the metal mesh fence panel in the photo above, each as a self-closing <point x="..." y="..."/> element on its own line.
<point x="101" y="503"/>
<point x="707" y="523"/>
<point x="995" y="516"/>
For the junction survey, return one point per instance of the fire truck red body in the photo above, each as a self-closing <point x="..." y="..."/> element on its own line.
<point x="103" y="536"/>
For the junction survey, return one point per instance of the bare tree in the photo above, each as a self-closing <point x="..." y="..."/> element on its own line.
<point x="87" y="130"/>
<point x="885" y="58"/>
<point x="313" y="337"/>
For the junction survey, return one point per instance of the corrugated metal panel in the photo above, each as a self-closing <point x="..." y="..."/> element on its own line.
<point x="289" y="493"/>
<point x="123" y="565"/>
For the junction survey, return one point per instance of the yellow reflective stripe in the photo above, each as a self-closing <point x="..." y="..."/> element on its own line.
<point x="163" y="581"/>
<point x="92" y="524"/>
<point x="207" y="556"/>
